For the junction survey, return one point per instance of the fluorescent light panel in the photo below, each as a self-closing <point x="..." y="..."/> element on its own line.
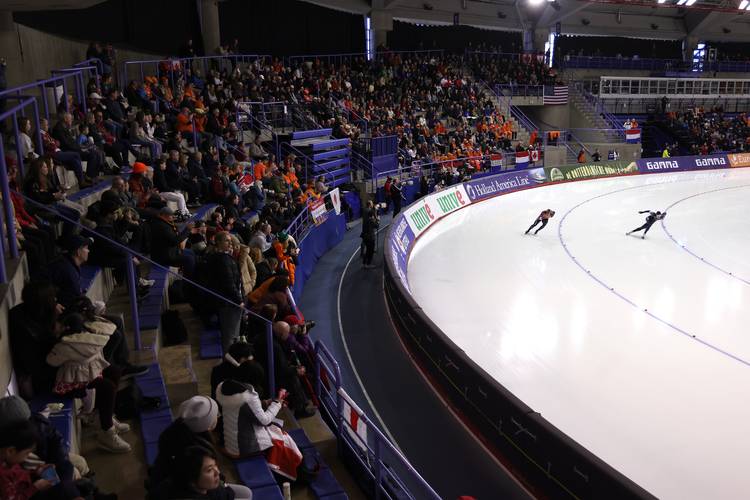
<point x="743" y="4"/>
<point x="690" y="2"/>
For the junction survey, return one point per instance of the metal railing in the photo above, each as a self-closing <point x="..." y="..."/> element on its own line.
<point x="511" y="90"/>
<point x="335" y="59"/>
<point x="417" y="167"/>
<point x="596" y="62"/>
<point x="650" y="64"/>
<point x="373" y="452"/>
<point x="522" y="119"/>
<point x="172" y="66"/>
<point x="58" y="86"/>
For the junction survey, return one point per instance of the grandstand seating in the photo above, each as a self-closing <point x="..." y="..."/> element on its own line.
<point x="325" y="152"/>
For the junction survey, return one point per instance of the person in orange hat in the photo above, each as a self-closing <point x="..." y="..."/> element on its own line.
<point x="140" y="186"/>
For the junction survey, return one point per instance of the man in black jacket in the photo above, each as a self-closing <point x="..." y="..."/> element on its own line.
<point x="64" y="132"/>
<point x="115" y="111"/>
<point x="65" y="273"/>
<point x="370" y="224"/>
<point x="396" y="196"/>
<point x="166" y="242"/>
<point x="226" y="280"/>
<point x="31" y="326"/>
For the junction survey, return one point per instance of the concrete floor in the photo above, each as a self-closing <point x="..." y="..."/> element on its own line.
<point x="124" y="474"/>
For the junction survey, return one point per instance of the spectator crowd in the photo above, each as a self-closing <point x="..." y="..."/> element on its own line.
<point x="168" y="145"/>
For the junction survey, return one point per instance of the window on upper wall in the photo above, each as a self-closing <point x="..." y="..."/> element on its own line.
<point x="369" y="42"/>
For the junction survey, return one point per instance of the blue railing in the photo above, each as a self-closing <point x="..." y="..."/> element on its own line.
<point x="174" y="65"/>
<point x="350" y="56"/>
<point x="511" y="90"/>
<point x="373" y="452"/>
<point x="522" y="119"/>
<point x="650" y="64"/>
<point x="61" y="84"/>
<point x="593" y="62"/>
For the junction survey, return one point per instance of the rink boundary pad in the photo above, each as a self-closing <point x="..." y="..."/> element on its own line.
<point x="545" y="456"/>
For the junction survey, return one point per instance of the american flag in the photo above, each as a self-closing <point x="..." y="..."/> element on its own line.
<point x="556" y="95"/>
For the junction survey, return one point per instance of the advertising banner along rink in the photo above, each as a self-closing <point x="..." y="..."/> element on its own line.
<point x="589" y="170"/>
<point x="676" y="164"/>
<point x="739" y="159"/>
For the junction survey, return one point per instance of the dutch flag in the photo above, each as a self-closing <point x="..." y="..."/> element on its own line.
<point x="522" y="159"/>
<point x="633" y="135"/>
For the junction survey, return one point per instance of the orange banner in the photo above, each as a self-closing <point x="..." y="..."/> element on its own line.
<point x="739" y="159"/>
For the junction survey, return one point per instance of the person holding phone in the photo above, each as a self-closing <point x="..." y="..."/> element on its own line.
<point x="251" y="427"/>
<point x="17" y="442"/>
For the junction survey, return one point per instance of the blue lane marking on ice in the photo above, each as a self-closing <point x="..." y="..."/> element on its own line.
<point x="624" y="298"/>
<point x="702" y="259"/>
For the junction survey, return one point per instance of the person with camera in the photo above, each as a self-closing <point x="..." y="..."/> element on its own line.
<point x="287" y="369"/>
<point x="370" y="225"/>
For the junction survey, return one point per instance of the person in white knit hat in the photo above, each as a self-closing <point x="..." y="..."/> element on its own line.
<point x="196" y="418"/>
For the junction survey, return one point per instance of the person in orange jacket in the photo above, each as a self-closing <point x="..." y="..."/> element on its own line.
<point x="286" y="253"/>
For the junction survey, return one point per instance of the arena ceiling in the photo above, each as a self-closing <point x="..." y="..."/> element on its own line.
<point x="710" y="20"/>
<point x="27" y="5"/>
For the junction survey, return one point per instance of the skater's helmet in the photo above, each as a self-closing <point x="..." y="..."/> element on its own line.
<point x="658" y="213"/>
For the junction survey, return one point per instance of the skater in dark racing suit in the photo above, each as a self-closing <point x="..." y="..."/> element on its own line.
<point x="651" y="218"/>
<point x="545" y="216"/>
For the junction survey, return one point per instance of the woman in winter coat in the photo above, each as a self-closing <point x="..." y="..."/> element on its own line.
<point x="247" y="268"/>
<point x="79" y="358"/>
<point x="250" y="429"/>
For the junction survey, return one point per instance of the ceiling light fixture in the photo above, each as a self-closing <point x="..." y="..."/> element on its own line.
<point x="690" y="2"/>
<point x="536" y="2"/>
<point x="662" y="1"/>
<point x="681" y="2"/>
<point x="744" y="4"/>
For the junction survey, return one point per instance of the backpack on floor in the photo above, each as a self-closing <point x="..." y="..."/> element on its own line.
<point x="308" y="470"/>
<point x="173" y="328"/>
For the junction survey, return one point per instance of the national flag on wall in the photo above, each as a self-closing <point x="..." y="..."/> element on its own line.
<point x="336" y="200"/>
<point x="496" y="160"/>
<point x="559" y="95"/>
<point x="633" y="135"/>
<point x="535" y="155"/>
<point x="354" y="425"/>
<point x="522" y="158"/>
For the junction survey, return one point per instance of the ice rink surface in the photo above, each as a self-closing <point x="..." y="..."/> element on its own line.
<point x="637" y="349"/>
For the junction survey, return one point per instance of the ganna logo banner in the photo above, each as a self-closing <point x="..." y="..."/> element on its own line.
<point x="422" y="214"/>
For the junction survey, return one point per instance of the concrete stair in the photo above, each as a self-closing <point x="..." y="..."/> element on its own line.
<point x="594" y="118"/>
<point x="177" y="368"/>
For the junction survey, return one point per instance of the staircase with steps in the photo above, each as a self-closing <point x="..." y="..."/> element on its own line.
<point x="322" y="154"/>
<point x="586" y="108"/>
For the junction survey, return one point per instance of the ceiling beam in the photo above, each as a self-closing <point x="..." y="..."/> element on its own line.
<point x="550" y="16"/>
<point x="697" y="23"/>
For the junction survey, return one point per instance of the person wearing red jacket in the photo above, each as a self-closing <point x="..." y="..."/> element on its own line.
<point x="17" y="442"/>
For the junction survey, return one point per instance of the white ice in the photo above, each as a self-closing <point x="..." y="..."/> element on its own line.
<point x="669" y="411"/>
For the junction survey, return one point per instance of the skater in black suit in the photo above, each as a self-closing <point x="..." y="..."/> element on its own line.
<point x="543" y="218"/>
<point x="651" y="218"/>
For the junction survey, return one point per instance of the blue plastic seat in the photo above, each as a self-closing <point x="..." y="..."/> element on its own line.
<point x="254" y="472"/>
